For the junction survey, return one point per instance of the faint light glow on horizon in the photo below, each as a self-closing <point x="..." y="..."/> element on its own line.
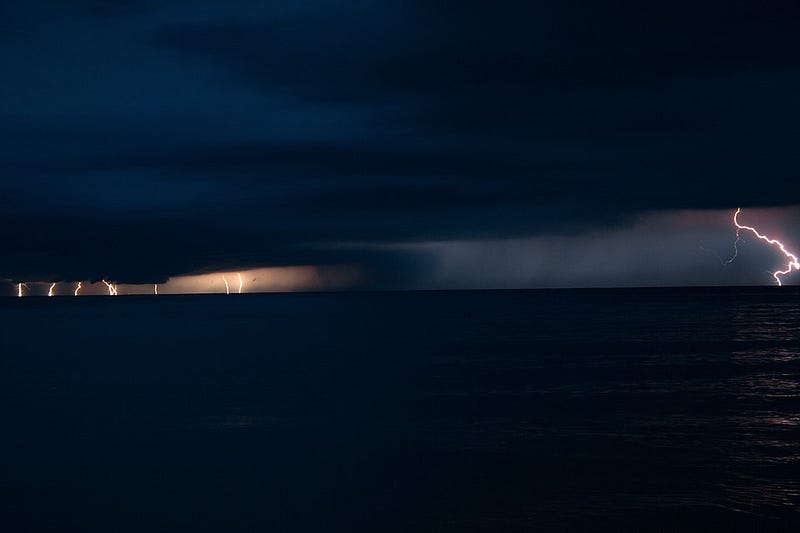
<point x="267" y="279"/>
<point x="793" y="263"/>
<point x="657" y="248"/>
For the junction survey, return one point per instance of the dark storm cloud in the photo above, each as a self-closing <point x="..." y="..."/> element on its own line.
<point x="417" y="49"/>
<point x="143" y="139"/>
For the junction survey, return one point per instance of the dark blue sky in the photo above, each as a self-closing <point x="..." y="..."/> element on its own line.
<point x="143" y="139"/>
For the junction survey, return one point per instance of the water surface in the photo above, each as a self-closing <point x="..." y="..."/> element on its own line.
<point x="424" y="411"/>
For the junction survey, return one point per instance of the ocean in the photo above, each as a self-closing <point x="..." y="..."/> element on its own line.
<point x="540" y="410"/>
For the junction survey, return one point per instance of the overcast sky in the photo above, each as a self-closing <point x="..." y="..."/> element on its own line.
<point x="428" y="144"/>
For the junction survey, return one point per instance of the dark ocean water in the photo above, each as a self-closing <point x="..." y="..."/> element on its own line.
<point x="655" y="410"/>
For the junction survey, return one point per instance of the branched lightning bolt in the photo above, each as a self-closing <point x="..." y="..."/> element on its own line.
<point x="78" y="288"/>
<point x="239" y="274"/>
<point x="50" y="292"/>
<point x="227" y="287"/>
<point x="112" y="289"/>
<point x="735" y="243"/>
<point x="793" y="263"/>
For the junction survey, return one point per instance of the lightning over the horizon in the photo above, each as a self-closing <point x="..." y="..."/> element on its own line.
<point x="112" y="289"/>
<point x="268" y="279"/>
<point x="793" y="262"/>
<point x="227" y="287"/>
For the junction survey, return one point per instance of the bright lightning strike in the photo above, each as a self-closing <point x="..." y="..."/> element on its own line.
<point x="241" y="283"/>
<point x="155" y="289"/>
<point x="50" y="292"/>
<point x="78" y="288"/>
<point x="112" y="289"/>
<point x="227" y="287"/>
<point x="19" y="289"/>
<point x="793" y="263"/>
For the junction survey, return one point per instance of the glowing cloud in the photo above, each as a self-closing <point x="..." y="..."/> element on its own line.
<point x="268" y="279"/>
<point x="793" y="263"/>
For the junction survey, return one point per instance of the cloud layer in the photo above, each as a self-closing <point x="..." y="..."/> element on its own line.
<point x="146" y="139"/>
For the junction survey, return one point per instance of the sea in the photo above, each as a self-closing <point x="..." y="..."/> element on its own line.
<point x="674" y="409"/>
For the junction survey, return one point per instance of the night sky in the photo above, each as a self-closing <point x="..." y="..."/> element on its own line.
<point x="449" y="144"/>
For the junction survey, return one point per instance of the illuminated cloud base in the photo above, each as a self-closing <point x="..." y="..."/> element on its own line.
<point x="274" y="279"/>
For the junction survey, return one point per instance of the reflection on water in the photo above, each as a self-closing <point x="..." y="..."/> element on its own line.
<point x="763" y="452"/>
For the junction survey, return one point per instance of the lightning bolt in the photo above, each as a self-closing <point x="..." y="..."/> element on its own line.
<point x="19" y="289"/>
<point x="78" y="288"/>
<point x="50" y="292"/>
<point x="793" y="263"/>
<point x="227" y="287"/>
<point x="155" y="289"/>
<point x="239" y="274"/>
<point x="112" y="289"/>
<point x="735" y="243"/>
